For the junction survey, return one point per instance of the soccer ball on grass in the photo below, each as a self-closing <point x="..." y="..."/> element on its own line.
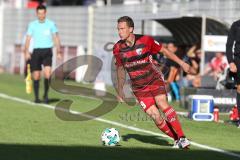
<point x="110" y="137"/>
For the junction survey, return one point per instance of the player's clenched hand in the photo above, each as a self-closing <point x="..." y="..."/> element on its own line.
<point x="192" y="71"/>
<point x="186" y="67"/>
<point x="59" y="53"/>
<point x="59" y="56"/>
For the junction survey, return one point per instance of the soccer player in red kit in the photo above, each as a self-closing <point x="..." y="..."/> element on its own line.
<point x="133" y="53"/>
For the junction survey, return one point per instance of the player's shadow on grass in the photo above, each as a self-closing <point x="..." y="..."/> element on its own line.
<point x="147" y="139"/>
<point x="81" y="152"/>
<point x="53" y="100"/>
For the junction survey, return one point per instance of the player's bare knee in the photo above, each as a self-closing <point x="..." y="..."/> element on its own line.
<point x="157" y="119"/>
<point x="155" y="115"/>
<point x="47" y="76"/>
<point x="162" y="103"/>
<point x="36" y="75"/>
<point x="151" y="111"/>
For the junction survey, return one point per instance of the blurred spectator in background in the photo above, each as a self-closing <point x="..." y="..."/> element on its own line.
<point x="195" y="60"/>
<point x="213" y="71"/>
<point x="217" y="65"/>
<point x="193" y="57"/>
<point x="195" y="63"/>
<point x="174" y="70"/>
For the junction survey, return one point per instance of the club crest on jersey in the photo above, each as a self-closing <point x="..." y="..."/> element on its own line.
<point x="139" y="51"/>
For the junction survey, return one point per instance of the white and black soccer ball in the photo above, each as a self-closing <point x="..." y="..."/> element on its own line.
<point x="110" y="137"/>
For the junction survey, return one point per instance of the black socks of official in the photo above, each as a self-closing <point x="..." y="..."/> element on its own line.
<point x="46" y="88"/>
<point x="36" y="90"/>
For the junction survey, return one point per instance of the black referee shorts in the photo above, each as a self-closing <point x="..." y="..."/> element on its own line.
<point x="237" y="75"/>
<point x="41" y="56"/>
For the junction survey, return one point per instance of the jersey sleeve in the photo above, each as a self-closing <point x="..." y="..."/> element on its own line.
<point x="30" y="29"/>
<point x="230" y="42"/>
<point x="54" y="28"/>
<point x="116" y="54"/>
<point x="155" y="46"/>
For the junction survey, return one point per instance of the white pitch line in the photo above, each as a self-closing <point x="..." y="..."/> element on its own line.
<point x="120" y="125"/>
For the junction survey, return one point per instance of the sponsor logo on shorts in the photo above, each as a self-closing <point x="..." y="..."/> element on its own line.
<point x="143" y="104"/>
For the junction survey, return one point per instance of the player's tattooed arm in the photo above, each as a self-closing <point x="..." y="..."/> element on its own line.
<point x="120" y="82"/>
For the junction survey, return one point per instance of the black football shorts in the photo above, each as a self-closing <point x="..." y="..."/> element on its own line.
<point x="39" y="57"/>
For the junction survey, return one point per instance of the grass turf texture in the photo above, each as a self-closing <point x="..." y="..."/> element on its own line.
<point x="33" y="132"/>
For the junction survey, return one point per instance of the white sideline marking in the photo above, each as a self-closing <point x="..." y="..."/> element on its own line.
<point x="120" y="125"/>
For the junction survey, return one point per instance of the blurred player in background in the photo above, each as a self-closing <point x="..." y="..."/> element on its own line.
<point x="233" y="41"/>
<point x="174" y="71"/>
<point x="133" y="53"/>
<point x="44" y="32"/>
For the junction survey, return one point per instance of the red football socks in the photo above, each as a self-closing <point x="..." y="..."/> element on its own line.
<point x="163" y="126"/>
<point x="173" y="121"/>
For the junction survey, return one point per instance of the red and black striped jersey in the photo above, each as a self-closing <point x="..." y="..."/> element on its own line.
<point x="137" y="60"/>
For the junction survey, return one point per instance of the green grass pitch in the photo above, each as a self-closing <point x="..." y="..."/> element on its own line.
<point x="30" y="132"/>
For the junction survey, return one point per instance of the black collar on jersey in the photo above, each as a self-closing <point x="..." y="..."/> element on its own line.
<point x="125" y="48"/>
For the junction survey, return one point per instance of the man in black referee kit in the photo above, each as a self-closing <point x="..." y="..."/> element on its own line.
<point x="44" y="34"/>
<point x="234" y="57"/>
